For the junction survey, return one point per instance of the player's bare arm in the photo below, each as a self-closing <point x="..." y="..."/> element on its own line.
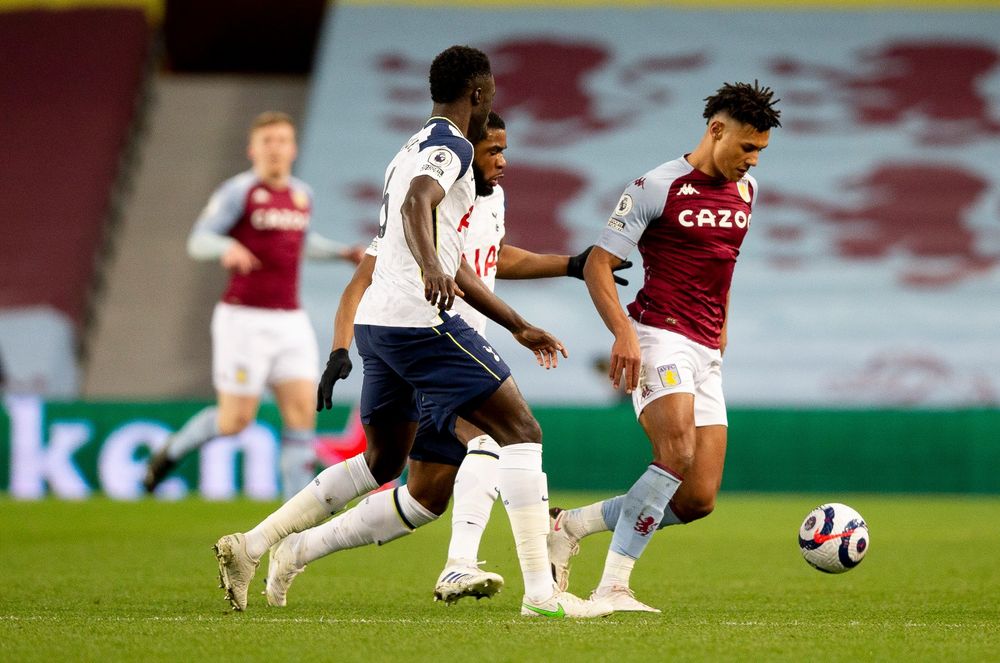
<point x="338" y="365"/>
<point x="626" y="359"/>
<point x="319" y="247"/>
<point x="517" y="263"/>
<point x="423" y="196"/>
<point x="343" y="321"/>
<point x="545" y="346"/>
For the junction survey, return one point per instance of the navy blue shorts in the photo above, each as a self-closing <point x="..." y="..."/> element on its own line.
<point x="452" y="367"/>
<point x="433" y="445"/>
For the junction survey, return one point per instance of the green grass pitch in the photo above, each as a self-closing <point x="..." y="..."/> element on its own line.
<point x="108" y="581"/>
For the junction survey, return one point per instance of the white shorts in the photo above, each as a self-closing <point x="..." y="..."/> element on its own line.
<point x="255" y="347"/>
<point x="672" y="364"/>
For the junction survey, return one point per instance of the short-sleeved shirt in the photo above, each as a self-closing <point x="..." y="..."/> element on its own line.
<point x="482" y="249"/>
<point x="272" y="224"/>
<point x="395" y="297"/>
<point x="689" y="228"/>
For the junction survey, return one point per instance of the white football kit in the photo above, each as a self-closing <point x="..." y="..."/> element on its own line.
<point x="395" y="297"/>
<point x="482" y="250"/>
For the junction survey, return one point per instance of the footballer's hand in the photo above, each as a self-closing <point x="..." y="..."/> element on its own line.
<point x="441" y="290"/>
<point x="239" y="259"/>
<point x="546" y="347"/>
<point x="626" y="361"/>
<point x="338" y="367"/>
<point x="576" y="264"/>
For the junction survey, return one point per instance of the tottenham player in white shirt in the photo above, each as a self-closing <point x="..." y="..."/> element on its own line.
<point x="410" y="344"/>
<point x="465" y="458"/>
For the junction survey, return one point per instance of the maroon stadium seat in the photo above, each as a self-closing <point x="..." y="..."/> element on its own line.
<point x="71" y="81"/>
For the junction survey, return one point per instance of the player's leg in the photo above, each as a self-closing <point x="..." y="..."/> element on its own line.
<point x="474" y="494"/>
<point x="442" y="449"/>
<point x="694" y="499"/>
<point x="379" y="518"/>
<point x="293" y="378"/>
<point x="696" y="496"/>
<point x="296" y="401"/>
<point x="669" y="424"/>
<point x="466" y="377"/>
<point x="389" y="415"/>
<point x="665" y="403"/>
<point x="523" y="487"/>
<point x="332" y="489"/>
<point x="239" y="371"/>
<point x="232" y="414"/>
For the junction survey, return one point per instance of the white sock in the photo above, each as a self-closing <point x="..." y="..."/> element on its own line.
<point x="379" y="518"/>
<point x="523" y="487"/>
<point x="475" y="493"/>
<point x="327" y="494"/>
<point x="617" y="570"/>
<point x="585" y="520"/>
<point x="339" y="484"/>
<point x="297" y="514"/>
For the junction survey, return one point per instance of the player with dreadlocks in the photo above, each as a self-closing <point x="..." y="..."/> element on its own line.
<point x="688" y="218"/>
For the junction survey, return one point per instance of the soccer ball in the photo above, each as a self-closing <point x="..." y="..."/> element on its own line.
<point x="834" y="538"/>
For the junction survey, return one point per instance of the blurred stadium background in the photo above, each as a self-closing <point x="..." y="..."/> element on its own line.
<point x="865" y="332"/>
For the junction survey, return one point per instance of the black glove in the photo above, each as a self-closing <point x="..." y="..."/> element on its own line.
<point x="338" y="367"/>
<point x="575" y="266"/>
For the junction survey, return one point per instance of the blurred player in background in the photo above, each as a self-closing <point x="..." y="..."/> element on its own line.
<point x="688" y="217"/>
<point x="464" y="460"/>
<point x="411" y="345"/>
<point x="256" y="225"/>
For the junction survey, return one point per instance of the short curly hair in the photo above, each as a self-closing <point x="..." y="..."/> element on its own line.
<point x="494" y="121"/>
<point x="750" y="104"/>
<point x="455" y="70"/>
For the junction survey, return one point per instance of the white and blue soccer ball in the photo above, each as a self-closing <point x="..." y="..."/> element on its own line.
<point x="834" y="538"/>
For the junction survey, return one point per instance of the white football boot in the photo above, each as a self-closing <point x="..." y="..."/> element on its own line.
<point x="282" y="567"/>
<point x="462" y="578"/>
<point x="236" y="568"/>
<point x="562" y="547"/>
<point x="562" y="605"/>
<point x="621" y="598"/>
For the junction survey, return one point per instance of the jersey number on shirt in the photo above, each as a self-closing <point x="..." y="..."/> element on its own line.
<point x="383" y="212"/>
<point x="489" y="261"/>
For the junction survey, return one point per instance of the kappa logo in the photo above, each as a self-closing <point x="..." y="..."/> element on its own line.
<point x="641" y="183"/>
<point x="687" y="190"/>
